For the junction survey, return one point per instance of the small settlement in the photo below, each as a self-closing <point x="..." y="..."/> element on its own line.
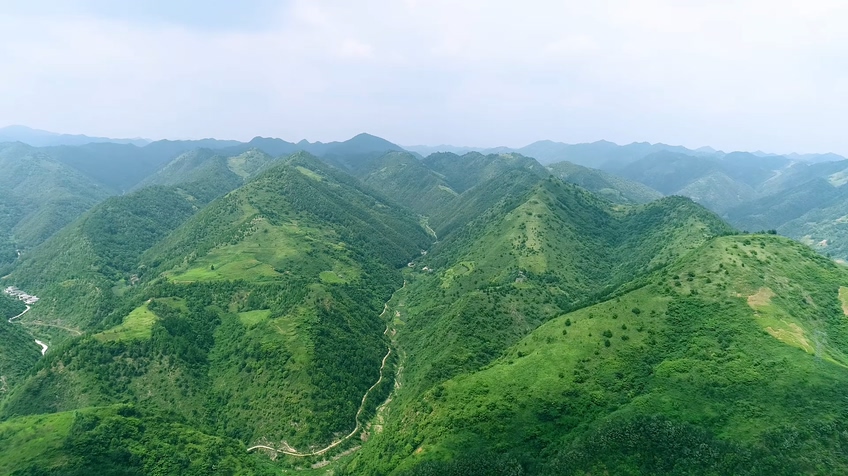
<point x="17" y="293"/>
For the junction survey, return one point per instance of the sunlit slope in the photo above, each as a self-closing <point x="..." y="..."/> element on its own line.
<point x="733" y="360"/>
<point x="525" y="261"/>
<point x="300" y="205"/>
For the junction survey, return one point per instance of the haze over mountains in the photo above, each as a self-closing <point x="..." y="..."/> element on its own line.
<point x="358" y="307"/>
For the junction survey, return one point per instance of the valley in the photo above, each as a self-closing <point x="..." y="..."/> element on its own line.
<point x="369" y="311"/>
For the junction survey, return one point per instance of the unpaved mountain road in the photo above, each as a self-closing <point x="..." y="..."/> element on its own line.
<point x="292" y="452"/>
<point x="332" y="445"/>
<point x="11" y="319"/>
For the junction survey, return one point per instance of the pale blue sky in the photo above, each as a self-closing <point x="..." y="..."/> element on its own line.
<point x="733" y="74"/>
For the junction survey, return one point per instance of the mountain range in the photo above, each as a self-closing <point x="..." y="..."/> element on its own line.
<point x="355" y="307"/>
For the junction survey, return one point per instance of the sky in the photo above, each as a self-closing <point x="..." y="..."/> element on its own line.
<point x="733" y="74"/>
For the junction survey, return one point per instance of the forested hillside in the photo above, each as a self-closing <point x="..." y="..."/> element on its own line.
<point x="609" y="186"/>
<point x="38" y="196"/>
<point x="271" y="294"/>
<point x="729" y="361"/>
<point x="372" y="312"/>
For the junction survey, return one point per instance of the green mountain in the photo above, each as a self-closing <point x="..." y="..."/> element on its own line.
<point x="804" y="201"/>
<point x="600" y="154"/>
<point x="824" y="229"/>
<point x="611" y="187"/>
<point x="719" y="183"/>
<point x="668" y="172"/>
<point x="120" y="167"/>
<point x="246" y="315"/>
<point x="38" y="196"/>
<point x="211" y="167"/>
<point x="446" y="189"/>
<point x="774" y="210"/>
<point x="350" y="154"/>
<point x="718" y="191"/>
<point x="462" y="172"/>
<point x="710" y="367"/>
<point x="82" y="271"/>
<point x="530" y="257"/>
<point x="256" y="320"/>
<point x="407" y="180"/>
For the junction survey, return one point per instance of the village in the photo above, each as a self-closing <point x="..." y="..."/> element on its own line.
<point x="17" y="293"/>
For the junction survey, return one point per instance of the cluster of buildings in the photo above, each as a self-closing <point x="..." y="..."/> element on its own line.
<point x="17" y="293"/>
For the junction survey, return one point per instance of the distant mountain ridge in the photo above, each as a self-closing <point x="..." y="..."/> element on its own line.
<point x="737" y="185"/>
<point x="605" y="154"/>
<point x="40" y="138"/>
<point x="545" y="151"/>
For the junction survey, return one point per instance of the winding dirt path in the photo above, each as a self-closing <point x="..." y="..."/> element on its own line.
<point x="287" y="450"/>
<point x="19" y="315"/>
<point x="43" y="346"/>
<point x="75" y="332"/>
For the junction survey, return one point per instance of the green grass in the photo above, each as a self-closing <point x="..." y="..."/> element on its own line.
<point x="251" y="318"/>
<point x="249" y="163"/>
<point x="461" y="269"/>
<point x="311" y="174"/>
<point x="329" y="277"/>
<point x="137" y="325"/>
<point x="33" y="440"/>
<point x="265" y="253"/>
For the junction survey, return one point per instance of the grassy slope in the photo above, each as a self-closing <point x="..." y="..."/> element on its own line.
<point x="138" y="324"/>
<point x="525" y="261"/>
<point x="738" y="350"/>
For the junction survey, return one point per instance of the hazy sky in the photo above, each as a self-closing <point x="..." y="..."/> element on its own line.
<point x="734" y="74"/>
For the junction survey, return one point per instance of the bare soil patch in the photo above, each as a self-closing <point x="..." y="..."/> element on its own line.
<point x="761" y="298"/>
